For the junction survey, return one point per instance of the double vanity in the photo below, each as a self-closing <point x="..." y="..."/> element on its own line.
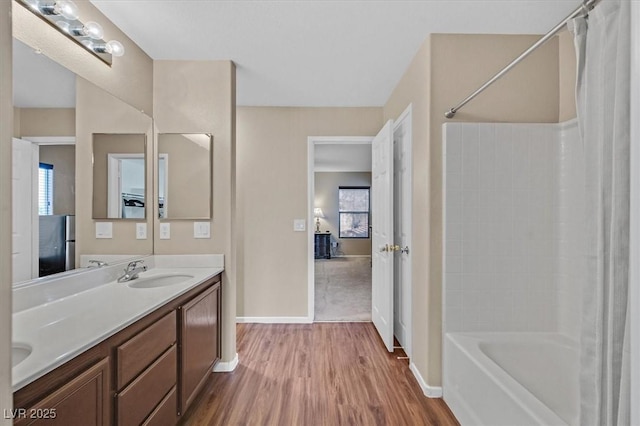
<point x="90" y="350"/>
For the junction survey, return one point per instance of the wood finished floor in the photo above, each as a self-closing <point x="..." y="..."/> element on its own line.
<point x="316" y="374"/>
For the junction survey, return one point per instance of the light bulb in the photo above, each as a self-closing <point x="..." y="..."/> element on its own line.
<point x="67" y="9"/>
<point x="64" y="26"/>
<point x="89" y="44"/>
<point x="115" y="48"/>
<point x="93" y="30"/>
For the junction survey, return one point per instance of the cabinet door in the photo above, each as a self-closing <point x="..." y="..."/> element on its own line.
<point x="198" y="343"/>
<point x="83" y="401"/>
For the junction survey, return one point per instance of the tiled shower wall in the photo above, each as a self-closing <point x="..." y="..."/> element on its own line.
<point x="510" y="227"/>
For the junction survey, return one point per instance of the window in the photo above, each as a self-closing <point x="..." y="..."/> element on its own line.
<point x="45" y="189"/>
<point x="353" y="208"/>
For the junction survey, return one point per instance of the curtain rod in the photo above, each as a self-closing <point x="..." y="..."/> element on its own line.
<point x="584" y="8"/>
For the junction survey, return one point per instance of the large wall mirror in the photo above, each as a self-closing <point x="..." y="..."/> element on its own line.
<point x="184" y="175"/>
<point x="52" y="169"/>
<point x="119" y="176"/>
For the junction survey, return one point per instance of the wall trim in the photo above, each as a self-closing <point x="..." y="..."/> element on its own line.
<point x="274" y="320"/>
<point x="429" y="391"/>
<point x="51" y="140"/>
<point x="352" y="255"/>
<point x="226" y="366"/>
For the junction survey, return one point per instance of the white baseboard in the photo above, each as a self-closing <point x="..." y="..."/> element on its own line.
<point x="225" y="367"/>
<point x="352" y="255"/>
<point x="429" y="391"/>
<point x="275" y="320"/>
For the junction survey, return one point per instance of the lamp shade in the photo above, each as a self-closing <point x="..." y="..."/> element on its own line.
<point x="317" y="212"/>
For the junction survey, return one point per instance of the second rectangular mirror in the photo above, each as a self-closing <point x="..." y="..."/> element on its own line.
<point x="184" y="175"/>
<point x="119" y="176"/>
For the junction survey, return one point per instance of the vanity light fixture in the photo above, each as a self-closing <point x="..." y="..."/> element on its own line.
<point x="63" y="15"/>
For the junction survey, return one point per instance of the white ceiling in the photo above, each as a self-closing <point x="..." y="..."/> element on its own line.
<point x="342" y="157"/>
<point x="322" y="52"/>
<point x="39" y="82"/>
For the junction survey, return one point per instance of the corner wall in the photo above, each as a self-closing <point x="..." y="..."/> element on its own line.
<point x="6" y="132"/>
<point x="199" y="97"/>
<point x="445" y="70"/>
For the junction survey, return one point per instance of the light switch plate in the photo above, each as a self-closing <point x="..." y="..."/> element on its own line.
<point x="165" y="231"/>
<point x="104" y="230"/>
<point x="299" y="225"/>
<point x="201" y="230"/>
<point x="141" y="231"/>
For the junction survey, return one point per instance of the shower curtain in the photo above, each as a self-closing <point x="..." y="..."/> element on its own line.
<point x="603" y="48"/>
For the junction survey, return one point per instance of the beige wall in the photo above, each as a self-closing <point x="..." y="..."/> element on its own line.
<point x="446" y="69"/>
<point x="47" y="121"/>
<point x="567" y="76"/>
<point x="272" y="192"/>
<point x="6" y="124"/>
<point x="63" y="159"/>
<point x="103" y="145"/>
<point x="326" y="197"/>
<point x="129" y="78"/>
<point x="100" y="112"/>
<point x="199" y="97"/>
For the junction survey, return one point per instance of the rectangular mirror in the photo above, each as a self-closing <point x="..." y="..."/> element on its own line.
<point x="119" y="176"/>
<point x="184" y="175"/>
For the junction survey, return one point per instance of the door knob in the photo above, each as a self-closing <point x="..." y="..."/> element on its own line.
<point x="394" y="247"/>
<point x="384" y="248"/>
<point x="405" y="250"/>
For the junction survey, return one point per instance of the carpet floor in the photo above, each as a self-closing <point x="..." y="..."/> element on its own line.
<point x="343" y="289"/>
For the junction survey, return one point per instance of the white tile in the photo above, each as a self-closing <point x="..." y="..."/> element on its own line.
<point x="453" y="248"/>
<point x="453" y="231"/>
<point x="453" y="181"/>
<point x="453" y="264"/>
<point x="470" y="264"/>
<point x="453" y="282"/>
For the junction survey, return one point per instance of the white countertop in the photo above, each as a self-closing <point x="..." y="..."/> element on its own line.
<point x="61" y="329"/>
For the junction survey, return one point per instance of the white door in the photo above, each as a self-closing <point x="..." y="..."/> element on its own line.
<point x="24" y="254"/>
<point x="402" y="230"/>
<point x="382" y="233"/>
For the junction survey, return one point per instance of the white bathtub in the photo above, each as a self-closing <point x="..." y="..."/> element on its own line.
<point x="511" y="378"/>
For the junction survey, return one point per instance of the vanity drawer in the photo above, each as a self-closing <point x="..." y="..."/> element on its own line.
<point x="137" y="353"/>
<point x="165" y="413"/>
<point x="140" y="398"/>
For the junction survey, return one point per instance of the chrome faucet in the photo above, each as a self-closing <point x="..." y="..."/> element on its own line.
<point x="132" y="270"/>
<point x="97" y="263"/>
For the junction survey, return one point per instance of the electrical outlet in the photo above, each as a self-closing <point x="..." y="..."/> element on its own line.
<point x="299" y="225"/>
<point x="165" y="231"/>
<point x="334" y="244"/>
<point x="141" y="231"/>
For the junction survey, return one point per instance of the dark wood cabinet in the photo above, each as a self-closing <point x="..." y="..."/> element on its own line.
<point x="322" y="246"/>
<point x="82" y="401"/>
<point x="199" y="343"/>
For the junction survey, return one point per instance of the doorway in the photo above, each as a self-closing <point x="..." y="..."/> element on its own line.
<point x="341" y="252"/>
<point x="400" y="283"/>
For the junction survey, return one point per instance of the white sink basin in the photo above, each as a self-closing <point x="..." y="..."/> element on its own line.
<point x="163" y="280"/>
<point x="19" y="352"/>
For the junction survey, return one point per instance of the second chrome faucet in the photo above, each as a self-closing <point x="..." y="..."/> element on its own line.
<point x="132" y="270"/>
